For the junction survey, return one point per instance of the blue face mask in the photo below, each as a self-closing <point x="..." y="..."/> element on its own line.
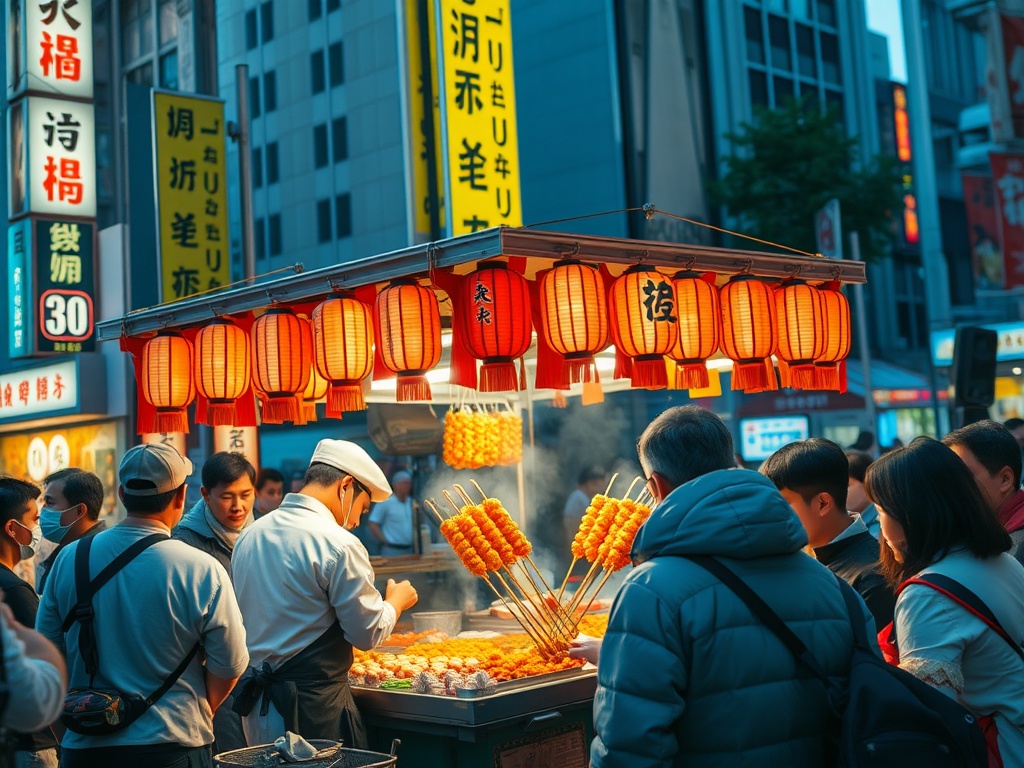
<point x="49" y="522"/>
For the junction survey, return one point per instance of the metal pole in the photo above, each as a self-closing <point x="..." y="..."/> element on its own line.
<point x="245" y="172"/>
<point x="862" y="334"/>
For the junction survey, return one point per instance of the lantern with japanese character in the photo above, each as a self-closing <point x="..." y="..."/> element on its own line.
<point x="408" y="323"/>
<point x="165" y="376"/>
<point x="281" y="356"/>
<point x="835" y="311"/>
<point x="222" y="357"/>
<point x="574" y="316"/>
<point x="748" y="330"/>
<point x="699" y="328"/>
<point x="495" y="323"/>
<point x="801" y="330"/>
<point x="343" y="349"/>
<point x="644" y="325"/>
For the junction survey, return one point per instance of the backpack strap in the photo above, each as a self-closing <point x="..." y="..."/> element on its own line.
<point x="967" y="600"/>
<point x="168" y="682"/>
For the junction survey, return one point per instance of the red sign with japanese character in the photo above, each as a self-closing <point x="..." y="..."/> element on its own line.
<point x="1008" y="178"/>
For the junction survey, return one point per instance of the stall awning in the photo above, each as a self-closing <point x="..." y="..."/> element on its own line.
<point x="892" y="386"/>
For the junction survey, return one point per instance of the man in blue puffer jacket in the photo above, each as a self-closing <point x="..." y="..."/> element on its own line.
<point x="687" y="675"/>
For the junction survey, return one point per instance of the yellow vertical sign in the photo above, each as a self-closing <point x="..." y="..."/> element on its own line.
<point x="424" y="124"/>
<point x="191" y="184"/>
<point x="478" y="110"/>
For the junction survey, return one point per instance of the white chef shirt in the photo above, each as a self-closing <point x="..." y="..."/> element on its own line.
<point x="395" y="520"/>
<point x="34" y="686"/>
<point x="296" y="572"/>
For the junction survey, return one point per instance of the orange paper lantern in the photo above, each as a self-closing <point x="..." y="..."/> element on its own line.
<point x="166" y="380"/>
<point x="748" y="330"/>
<point x="835" y="312"/>
<point x="644" y="325"/>
<point x="343" y="350"/>
<point x="408" y="322"/>
<point x="574" y="316"/>
<point x="494" y="321"/>
<point x="281" y="354"/>
<point x="699" y="329"/>
<point x="222" y="356"/>
<point x="801" y="331"/>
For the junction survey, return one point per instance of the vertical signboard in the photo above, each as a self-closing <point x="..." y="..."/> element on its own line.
<point x="1008" y="176"/>
<point x="191" y="183"/>
<point x="1004" y="86"/>
<point x="478" y="115"/>
<point x="49" y="47"/>
<point x="19" y="260"/>
<point x="910" y="230"/>
<point x="828" y="229"/>
<point x="241" y="440"/>
<point x="983" y="230"/>
<point x="65" y="283"/>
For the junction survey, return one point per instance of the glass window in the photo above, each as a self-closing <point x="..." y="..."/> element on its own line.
<point x="323" y="221"/>
<point x="830" y="58"/>
<point x="142" y="75"/>
<point x="800" y="9"/>
<point x="254" y="97"/>
<point x="257" y="168"/>
<point x="169" y="70"/>
<point x="270" y="91"/>
<point x="252" y="37"/>
<point x="267" y="21"/>
<point x="261" y="238"/>
<point x="316" y="71"/>
<point x="343" y="210"/>
<point x="805" y="50"/>
<point x="275" y="234"/>
<point x="755" y="42"/>
<point x="827" y="12"/>
<point x="778" y="35"/>
<point x="758" y="87"/>
<point x="168" y="21"/>
<point x="137" y="29"/>
<point x="273" y="164"/>
<point x="333" y="5"/>
<point x="320" y="145"/>
<point x="784" y="90"/>
<point x="337" y="64"/>
<point x="316" y="9"/>
<point x="339" y="138"/>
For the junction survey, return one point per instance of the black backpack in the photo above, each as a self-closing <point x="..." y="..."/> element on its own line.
<point x="886" y="717"/>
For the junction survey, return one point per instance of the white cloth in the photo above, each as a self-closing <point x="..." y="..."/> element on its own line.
<point x="35" y="687"/>
<point x="940" y="639"/>
<point x="395" y="520"/>
<point x="263" y="729"/>
<point x="296" y="572"/>
<point x="148" y="617"/>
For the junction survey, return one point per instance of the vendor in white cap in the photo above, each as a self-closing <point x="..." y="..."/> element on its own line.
<point x="391" y="519"/>
<point x="305" y="587"/>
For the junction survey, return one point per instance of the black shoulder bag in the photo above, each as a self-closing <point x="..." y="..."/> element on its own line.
<point x="99" y="711"/>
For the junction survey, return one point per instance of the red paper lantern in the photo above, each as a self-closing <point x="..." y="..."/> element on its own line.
<point x="166" y="379"/>
<point x="408" y="323"/>
<point x="644" y="325"/>
<point x="835" y="312"/>
<point x="699" y="329"/>
<point x="801" y="331"/>
<point x="748" y="330"/>
<point x="494" y="321"/>
<point x="281" y="354"/>
<point x="222" y="355"/>
<point x="574" y="315"/>
<point x="343" y="349"/>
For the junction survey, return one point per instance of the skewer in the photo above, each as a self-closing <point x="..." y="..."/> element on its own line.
<point x="568" y="573"/>
<point x="526" y="614"/>
<point x="630" y="489"/>
<point x="433" y="508"/>
<point x="584" y="586"/>
<point x="592" y="599"/>
<point x="529" y="630"/>
<point x="608" y="490"/>
<point x="465" y="496"/>
<point x="478" y="488"/>
<point x="448" y="498"/>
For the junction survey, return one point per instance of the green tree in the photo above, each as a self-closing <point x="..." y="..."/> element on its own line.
<point x="788" y="163"/>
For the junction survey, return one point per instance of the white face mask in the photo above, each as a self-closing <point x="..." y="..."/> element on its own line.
<point x="29" y="550"/>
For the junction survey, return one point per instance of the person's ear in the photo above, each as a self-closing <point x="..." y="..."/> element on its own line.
<point x="823" y="503"/>
<point x="660" y="486"/>
<point x="1006" y="486"/>
<point x="205" y="493"/>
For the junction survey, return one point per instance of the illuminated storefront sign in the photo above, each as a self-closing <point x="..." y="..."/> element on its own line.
<point x="38" y="391"/>
<point x="49" y="47"/>
<point x="901" y="119"/>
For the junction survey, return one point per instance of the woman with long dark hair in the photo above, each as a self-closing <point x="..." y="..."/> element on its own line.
<point x="935" y="524"/>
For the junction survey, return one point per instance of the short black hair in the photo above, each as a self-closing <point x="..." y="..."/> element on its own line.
<point x="590" y="473"/>
<point x="992" y="445"/>
<point x="859" y="462"/>
<point x="684" y="443"/>
<point x="80" y="487"/>
<point x="324" y="475"/>
<point x="267" y="475"/>
<point x="148" y="505"/>
<point x="1013" y="423"/>
<point x="14" y="495"/>
<point x="224" y="468"/>
<point x="810" y="467"/>
<point x="928" y="490"/>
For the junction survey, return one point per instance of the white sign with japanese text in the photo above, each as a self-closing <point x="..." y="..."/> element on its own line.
<point x="50" y="47"/>
<point x="37" y="391"/>
<point x="241" y="440"/>
<point x="61" y="162"/>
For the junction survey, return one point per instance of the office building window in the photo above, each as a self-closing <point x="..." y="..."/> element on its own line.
<point x="149" y="42"/>
<point x="320" y="145"/>
<point x="261" y="238"/>
<point x="778" y="36"/>
<point x="136" y="29"/>
<point x="339" y="138"/>
<point x="168" y="21"/>
<point x="270" y="91"/>
<point x="316" y="9"/>
<point x="805" y="51"/>
<point x="252" y="37"/>
<point x="257" y="168"/>
<point x="275" y="234"/>
<point x="323" y="221"/>
<point x="758" y="88"/>
<point x="333" y="5"/>
<point x="254" y="97"/>
<point x="337" y="65"/>
<point x="267" y="21"/>
<point x="827" y="12"/>
<point x="316" y="71"/>
<point x="343" y="211"/>
<point x="830" y="58"/>
<point x="273" y="164"/>
<point x="755" y="40"/>
<point x="169" y="70"/>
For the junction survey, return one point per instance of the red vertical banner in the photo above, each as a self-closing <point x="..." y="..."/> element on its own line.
<point x="1013" y="64"/>
<point x="983" y="230"/>
<point x="1008" y="180"/>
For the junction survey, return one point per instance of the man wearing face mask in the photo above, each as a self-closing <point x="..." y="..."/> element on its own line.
<point x="19" y="518"/>
<point x="305" y="588"/>
<point x="72" y="500"/>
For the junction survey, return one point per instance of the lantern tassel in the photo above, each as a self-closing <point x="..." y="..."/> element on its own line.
<point x="498" y="377"/>
<point x="347" y="397"/>
<point x="802" y="376"/>
<point x="172" y="420"/>
<point x="280" y="409"/>
<point x="581" y="369"/>
<point x="413" y="388"/>
<point x="649" y="372"/>
<point x="692" y="376"/>
<point x="826" y="377"/>
<point x="221" y="414"/>
<point x="748" y="376"/>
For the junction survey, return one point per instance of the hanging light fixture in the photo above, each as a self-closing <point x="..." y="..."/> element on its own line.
<point x="748" y="330"/>
<point x="408" y="323"/>
<point x="699" y="328"/>
<point x="835" y="311"/>
<point x="644" y="325"/>
<point x="222" y="356"/>
<point x="343" y="350"/>
<point x="800" y="331"/>
<point x="494" y="321"/>
<point x="574" y="315"/>
<point x="166" y="379"/>
<point x="281" y="355"/>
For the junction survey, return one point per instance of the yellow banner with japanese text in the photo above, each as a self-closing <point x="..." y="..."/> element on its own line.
<point x="478" y="108"/>
<point x="191" y="183"/>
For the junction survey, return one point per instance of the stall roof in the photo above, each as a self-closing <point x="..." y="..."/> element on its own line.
<point x="538" y="247"/>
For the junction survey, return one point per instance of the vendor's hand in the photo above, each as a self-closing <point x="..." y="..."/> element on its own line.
<point x="402" y="595"/>
<point x="585" y="647"/>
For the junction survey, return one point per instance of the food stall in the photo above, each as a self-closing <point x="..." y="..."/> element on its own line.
<point x="512" y="316"/>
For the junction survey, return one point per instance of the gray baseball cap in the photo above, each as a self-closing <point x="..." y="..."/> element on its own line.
<point x="152" y="469"/>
